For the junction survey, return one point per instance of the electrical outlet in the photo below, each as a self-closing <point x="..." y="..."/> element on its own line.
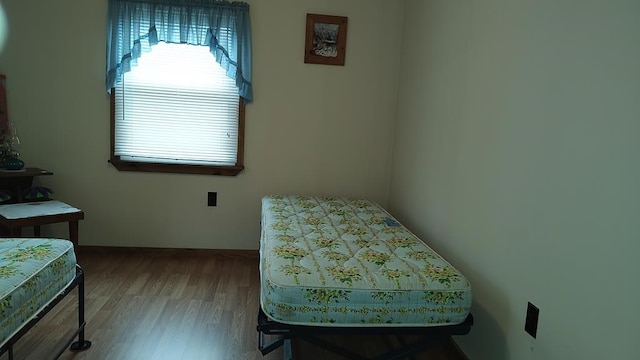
<point x="212" y="199"/>
<point x="531" y="322"/>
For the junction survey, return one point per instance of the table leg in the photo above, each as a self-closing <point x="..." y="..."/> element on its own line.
<point x="73" y="233"/>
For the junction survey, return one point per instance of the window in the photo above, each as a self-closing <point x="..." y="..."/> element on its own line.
<point x="179" y="74"/>
<point x="177" y="111"/>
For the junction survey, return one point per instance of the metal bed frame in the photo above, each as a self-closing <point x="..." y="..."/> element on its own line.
<point x="80" y="345"/>
<point x="427" y="337"/>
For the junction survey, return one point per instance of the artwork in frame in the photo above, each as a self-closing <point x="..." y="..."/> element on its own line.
<point x="326" y="39"/>
<point x="4" y="122"/>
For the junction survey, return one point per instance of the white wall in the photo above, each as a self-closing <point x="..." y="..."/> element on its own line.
<point x="313" y="129"/>
<point x="517" y="157"/>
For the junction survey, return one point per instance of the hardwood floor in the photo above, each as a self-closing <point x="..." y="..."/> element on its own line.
<point x="172" y="304"/>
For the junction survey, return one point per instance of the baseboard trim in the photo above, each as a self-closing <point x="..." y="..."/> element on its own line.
<point x="156" y="250"/>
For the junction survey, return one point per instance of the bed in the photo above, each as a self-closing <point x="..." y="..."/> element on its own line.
<point x="338" y="265"/>
<point x="36" y="274"/>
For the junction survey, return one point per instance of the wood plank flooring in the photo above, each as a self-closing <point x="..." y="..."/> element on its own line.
<point x="160" y="304"/>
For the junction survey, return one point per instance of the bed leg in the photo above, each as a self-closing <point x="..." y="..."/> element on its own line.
<point x="267" y="348"/>
<point x="288" y="354"/>
<point x="81" y="344"/>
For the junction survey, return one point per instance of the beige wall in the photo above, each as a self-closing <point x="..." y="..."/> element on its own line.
<point x="515" y="152"/>
<point x="312" y="128"/>
<point x="517" y="157"/>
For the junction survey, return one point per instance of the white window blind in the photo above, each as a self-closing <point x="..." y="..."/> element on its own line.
<point x="177" y="106"/>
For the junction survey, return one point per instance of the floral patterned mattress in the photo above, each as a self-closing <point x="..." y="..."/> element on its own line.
<point x="330" y="261"/>
<point x="32" y="273"/>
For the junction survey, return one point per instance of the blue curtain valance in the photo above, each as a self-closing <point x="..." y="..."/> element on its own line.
<point x="136" y="25"/>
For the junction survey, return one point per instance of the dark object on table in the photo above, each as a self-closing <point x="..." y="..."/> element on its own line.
<point x="37" y="193"/>
<point x="14" y="164"/>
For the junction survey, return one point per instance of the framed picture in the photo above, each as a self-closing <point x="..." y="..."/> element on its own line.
<point x="4" y="121"/>
<point x="326" y="39"/>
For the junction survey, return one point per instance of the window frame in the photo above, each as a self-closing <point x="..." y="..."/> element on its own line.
<point x="223" y="170"/>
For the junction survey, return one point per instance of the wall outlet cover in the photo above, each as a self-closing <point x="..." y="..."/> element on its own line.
<point x="212" y="199"/>
<point x="531" y="322"/>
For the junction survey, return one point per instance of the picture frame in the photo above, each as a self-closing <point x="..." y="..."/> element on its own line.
<point x="4" y="120"/>
<point x="326" y="39"/>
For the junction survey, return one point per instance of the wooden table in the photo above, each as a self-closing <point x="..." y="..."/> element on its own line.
<point x="14" y="217"/>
